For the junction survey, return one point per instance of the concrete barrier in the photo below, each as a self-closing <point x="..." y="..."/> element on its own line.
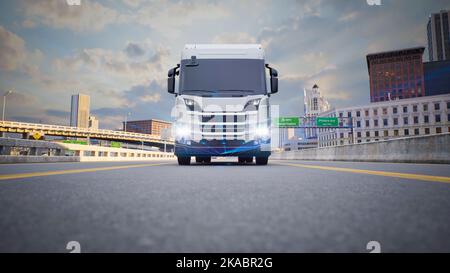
<point x="8" y="159"/>
<point x="32" y="151"/>
<point x="421" y="149"/>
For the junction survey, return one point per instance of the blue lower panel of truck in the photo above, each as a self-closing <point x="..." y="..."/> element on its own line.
<point x="223" y="148"/>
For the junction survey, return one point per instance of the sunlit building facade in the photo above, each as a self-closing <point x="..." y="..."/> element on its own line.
<point x="396" y="74"/>
<point x="314" y="102"/>
<point x="314" y="105"/>
<point x="389" y="119"/>
<point x="150" y="126"/>
<point x="80" y="111"/>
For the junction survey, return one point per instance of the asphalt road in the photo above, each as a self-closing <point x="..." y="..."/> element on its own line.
<point x="287" y="206"/>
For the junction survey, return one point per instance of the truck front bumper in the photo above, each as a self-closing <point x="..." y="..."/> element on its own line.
<point x="257" y="148"/>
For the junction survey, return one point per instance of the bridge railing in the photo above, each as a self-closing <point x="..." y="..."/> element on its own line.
<point x="91" y="131"/>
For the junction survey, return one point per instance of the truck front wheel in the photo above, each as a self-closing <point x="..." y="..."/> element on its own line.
<point x="184" y="160"/>
<point x="245" y="159"/>
<point x="262" y="160"/>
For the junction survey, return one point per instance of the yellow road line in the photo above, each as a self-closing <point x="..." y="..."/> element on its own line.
<point x="35" y="174"/>
<point x="442" y="179"/>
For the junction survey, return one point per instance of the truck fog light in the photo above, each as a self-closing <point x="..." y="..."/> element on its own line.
<point x="262" y="132"/>
<point x="182" y="132"/>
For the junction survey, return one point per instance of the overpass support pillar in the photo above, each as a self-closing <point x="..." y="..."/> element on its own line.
<point x="5" y="150"/>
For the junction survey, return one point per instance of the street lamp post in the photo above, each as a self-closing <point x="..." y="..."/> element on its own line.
<point x="4" y="103"/>
<point x="125" y="123"/>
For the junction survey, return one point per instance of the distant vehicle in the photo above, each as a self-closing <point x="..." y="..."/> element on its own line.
<point x="222" y="103"/>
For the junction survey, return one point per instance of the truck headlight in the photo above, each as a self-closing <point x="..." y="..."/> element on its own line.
<point x="182" y="132"/>
<point x="189" y="104"/>
<point x="253" y="104"/>
<point x="263" y="132"/>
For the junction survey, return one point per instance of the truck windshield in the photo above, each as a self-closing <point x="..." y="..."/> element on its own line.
<point x="222" y="77"/>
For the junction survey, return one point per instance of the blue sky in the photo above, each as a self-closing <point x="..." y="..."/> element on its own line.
<point x="119" y="51"/>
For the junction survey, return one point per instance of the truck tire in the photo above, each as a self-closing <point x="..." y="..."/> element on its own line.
<point x="262" y="160"/>
<point x="245" y="159"/>
<point x="184" y="160"/>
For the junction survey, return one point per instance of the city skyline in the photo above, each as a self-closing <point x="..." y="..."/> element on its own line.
<point x="119" y="52"/>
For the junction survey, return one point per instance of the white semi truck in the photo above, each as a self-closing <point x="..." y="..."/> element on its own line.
<point x="222" y="103"/>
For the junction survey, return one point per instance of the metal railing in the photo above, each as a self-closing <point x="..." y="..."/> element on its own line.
<point x="17" y="127"/>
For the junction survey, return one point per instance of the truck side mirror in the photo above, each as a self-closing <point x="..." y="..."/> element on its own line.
<point x="273" y="79"/>
<point x="171" y="79"/>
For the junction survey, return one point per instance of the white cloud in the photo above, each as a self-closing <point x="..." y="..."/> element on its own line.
<point x="134" y="50"/>
<point x="133" y="3"/>
<point x="151" y="97"/>
<point x="89" y="16"/>
<point x="28" y="24"/>
<point x="234" y="38"/>
<point x="14" y="55"/>
<point x="12" y="50"/>
<point x="116" y="65"/>
<point x="167" y="17"/>
<point x="349" y="16"/>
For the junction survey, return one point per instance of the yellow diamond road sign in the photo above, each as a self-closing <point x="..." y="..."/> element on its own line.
<point x="37" y="135"/>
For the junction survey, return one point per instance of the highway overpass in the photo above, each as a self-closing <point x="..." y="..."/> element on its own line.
<point x="42" y="130"/>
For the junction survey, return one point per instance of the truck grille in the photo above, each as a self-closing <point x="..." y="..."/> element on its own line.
<point x="223" y="125"/>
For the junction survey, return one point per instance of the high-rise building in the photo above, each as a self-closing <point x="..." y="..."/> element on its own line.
<point x="314" y="102"/>
<point x="437" y="77"/>
<point x="396" y="74"/>
<point x="93" y="122"/>
<point x="314" y="105"/>
<point x="438" y="31"/>
<point x="150" y="126"/>
<point x="79" y="111"/>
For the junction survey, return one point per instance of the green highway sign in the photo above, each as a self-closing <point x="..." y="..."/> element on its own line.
<point x="327" y="122"/>
<point x="287" y="122"/>
<point x="114" y="144"/>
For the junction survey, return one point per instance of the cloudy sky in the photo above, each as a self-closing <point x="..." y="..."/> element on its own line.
<point x="119" y="51"/>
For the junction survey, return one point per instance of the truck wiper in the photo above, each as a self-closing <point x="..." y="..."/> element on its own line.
<point x="242" y="90"/>
<point x="199" y="90"/>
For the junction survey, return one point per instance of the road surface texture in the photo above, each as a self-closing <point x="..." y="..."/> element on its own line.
<point x="286" y="206"/>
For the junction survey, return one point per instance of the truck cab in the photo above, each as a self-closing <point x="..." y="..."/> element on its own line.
<point x="222" y="104"/>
